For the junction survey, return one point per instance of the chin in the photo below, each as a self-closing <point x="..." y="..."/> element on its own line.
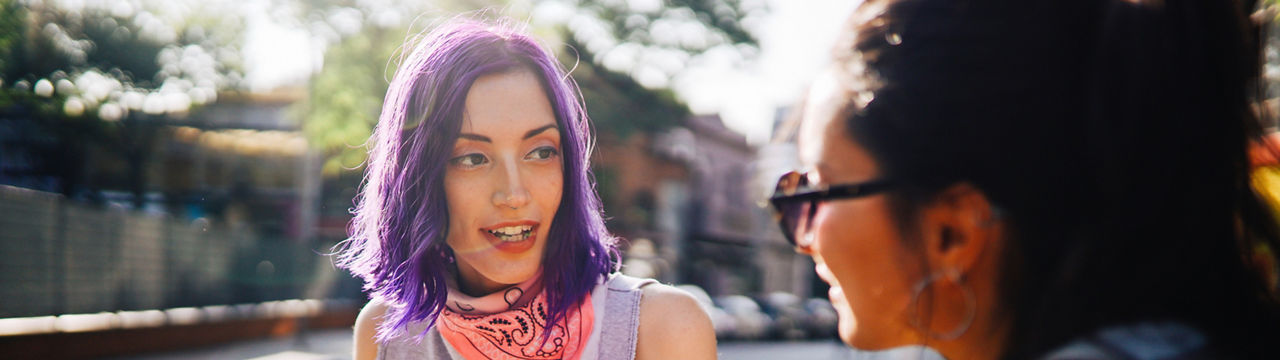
<point x="524" y="273"/>
<point x="848" y="331"/>
<point x="847" y="328"/>
<point x="512" y="273"/>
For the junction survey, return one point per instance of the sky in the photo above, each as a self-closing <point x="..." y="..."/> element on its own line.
<point x="795" y="38"/>
<point x="795" y="43"/>
<point x="276" y="54"/>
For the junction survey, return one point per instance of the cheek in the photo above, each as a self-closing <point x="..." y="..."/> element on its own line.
<point x="464" y="200"/>
<point x="547" y="186"/>
<point x="857" y="232"/>
<point x="861" y="246"/>
<point x="836" y="234"/>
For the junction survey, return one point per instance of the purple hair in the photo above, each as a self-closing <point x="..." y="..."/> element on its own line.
<point x="397" y="242"/>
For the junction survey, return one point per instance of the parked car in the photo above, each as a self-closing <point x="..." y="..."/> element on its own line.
<point x="725" y="324"/>
<point x="751" y="322"/>
<point x="823" y="318"/>
<point x="790" y="320"/>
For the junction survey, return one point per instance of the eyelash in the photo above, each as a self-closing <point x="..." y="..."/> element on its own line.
<point x="480" y="159"/>
<point x="553" y="152"/>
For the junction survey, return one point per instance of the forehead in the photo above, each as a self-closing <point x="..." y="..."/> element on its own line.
<point x="820" y="110"/>
<point x="506" y="103"/>
<point x="824" y="143"/>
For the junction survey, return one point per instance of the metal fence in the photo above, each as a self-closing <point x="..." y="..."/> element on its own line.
<point x="60" y="257"/>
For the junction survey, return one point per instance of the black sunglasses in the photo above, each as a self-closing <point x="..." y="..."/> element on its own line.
<point x="795" y="202"/>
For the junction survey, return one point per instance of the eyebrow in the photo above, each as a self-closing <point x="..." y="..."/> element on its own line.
<point x="474" y="137"/>
<point x="527" y="135"/>
<point x="539" y="130"/>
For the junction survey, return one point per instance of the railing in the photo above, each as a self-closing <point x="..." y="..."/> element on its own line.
<point x="60" y="257"/>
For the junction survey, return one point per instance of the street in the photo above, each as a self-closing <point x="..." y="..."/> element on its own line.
<point x="336" y="344"/>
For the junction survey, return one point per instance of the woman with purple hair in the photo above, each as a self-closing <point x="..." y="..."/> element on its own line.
<point x="478" y="230"/>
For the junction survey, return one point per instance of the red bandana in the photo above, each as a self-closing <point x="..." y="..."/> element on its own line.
<point x="517" y="333"/>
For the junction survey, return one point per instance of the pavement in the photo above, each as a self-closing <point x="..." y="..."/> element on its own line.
<point x="808" y="350"/>
<point x="328" y="344"/>
<point x="336" y="344"/>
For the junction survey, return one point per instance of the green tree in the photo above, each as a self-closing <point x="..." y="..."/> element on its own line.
<point x="346" y="97"/>
<point x="347" y="93"/>
<point x="618" y="104"/>
<point x="83" y="80"/>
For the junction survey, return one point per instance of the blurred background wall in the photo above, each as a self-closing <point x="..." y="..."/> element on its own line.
<point x="160" y="154"/>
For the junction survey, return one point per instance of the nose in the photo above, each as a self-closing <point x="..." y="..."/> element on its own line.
<point x="511" y="192"/>
<point x="805" y="246"/>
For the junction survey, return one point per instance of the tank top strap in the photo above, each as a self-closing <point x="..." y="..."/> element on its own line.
<point x="622" y="317"/>
<point x="620" y="282"/>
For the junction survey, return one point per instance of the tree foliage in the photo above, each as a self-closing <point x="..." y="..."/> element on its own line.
<point x="346" y="98"/>
<point x="75" y="76"/>
<point x="620" y="106"/>
<point x="704" y="23"/>
<point x="117" y="57"/>
<point x="346" y="94"/>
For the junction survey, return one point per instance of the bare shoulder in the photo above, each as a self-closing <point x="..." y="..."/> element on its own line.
<point x="673" y="325"/>
<point x="365" y="347"/>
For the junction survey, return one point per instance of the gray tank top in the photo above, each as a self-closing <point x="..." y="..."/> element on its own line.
<point x="618" y="325"/>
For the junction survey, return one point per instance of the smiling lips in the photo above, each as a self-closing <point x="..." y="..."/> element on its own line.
<point x="824" y="273"/>
<point x="512" y="237"/>
<point x="835" y="294"/>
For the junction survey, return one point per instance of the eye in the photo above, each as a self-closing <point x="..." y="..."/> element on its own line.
<point x="542" y="153"/>
<point x="469" y="161"/>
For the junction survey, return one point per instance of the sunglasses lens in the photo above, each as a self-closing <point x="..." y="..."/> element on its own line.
<point x="791" y="182"/>
<point x="794" y="219"/>
<point x="792" y="213"/>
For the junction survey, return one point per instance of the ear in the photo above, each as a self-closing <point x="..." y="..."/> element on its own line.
<point x="958" y="225"/>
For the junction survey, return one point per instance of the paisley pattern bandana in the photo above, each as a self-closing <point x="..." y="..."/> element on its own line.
<point x="516" y="329"/>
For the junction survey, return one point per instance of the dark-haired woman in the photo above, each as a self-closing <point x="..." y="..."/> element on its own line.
<point x="1039" y="179"/>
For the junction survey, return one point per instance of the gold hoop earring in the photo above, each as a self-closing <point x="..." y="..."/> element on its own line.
<point x="970" y="301"/>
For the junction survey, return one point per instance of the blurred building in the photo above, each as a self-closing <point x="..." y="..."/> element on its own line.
<point x="778" y="157"/>
<point x="215" y="206"/>
<point x="725" y="223"/>
<point x="645" y="192"/>
<point x="687" y="201"/>
<point x="245" y="160"/>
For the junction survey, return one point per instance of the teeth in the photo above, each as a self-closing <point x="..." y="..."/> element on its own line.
<point x="513" y="233"/>
<point x="512" y="230"/>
